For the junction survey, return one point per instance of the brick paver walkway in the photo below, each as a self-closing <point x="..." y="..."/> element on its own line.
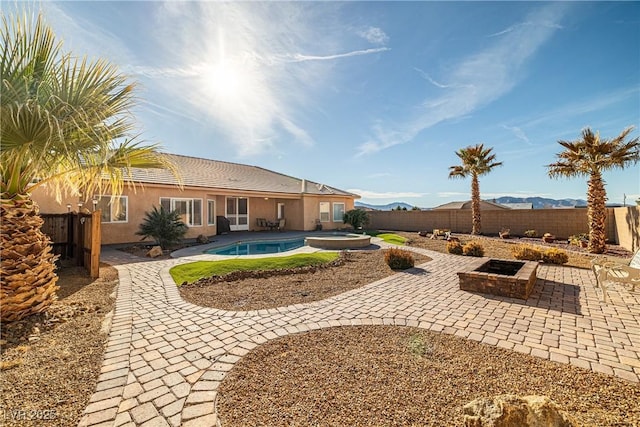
<point x="165" y="358"/>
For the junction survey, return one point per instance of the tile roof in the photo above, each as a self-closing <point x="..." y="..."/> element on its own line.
<point x="197" y="172"/>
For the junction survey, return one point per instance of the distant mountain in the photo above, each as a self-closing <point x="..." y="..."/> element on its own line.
<point x="542" y="202"/>
<point x="386" y="207"/>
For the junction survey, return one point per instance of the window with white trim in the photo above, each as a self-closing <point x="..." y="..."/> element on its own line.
<point x="211" y="212"/>
<point x="190" y="210"/>
<point x="324" y="212"/>
<point x="338" y="212"/>
<point x="113" y="210"/>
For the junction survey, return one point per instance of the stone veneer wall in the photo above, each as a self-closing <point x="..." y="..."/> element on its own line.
<point x="622" y="223"/>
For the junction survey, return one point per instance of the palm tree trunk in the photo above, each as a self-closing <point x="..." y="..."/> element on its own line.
<point x="597" y="213"/>
<point x="28" y="278"/>
<point x="475" y="205"/>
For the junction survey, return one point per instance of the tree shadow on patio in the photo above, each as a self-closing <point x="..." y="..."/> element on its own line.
<point x="550" y="295"/>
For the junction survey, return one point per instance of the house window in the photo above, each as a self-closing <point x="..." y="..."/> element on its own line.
<point x="338" y="212"/>
<point x="324" y="211"/>
<point x="190" y="210"/>
<point x="211" y="212"/>
<point x="112" y="210"/>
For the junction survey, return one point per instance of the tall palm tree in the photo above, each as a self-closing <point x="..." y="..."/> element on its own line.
<point x="591" y="156"/>
<point x="65" y="123"/>
<point x="476" y="161"/>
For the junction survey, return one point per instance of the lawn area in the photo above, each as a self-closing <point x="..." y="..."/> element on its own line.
<point x="196" y="270"/>
<point x="391" y="238"/>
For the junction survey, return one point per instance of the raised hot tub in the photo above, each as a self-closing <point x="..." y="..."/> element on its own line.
<point x="339" y="241"/>
<point x="507" y="278"/>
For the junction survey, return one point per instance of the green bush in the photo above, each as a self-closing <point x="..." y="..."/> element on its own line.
<point x="555" y="256"/>
<point x="454" y="247"/>
<point x="473" y="248"/>
<point x="531" y="233"/>
<point x="398" y="259"/>
<point x="358" y="218"/>
<point x="526" y="253"/>
<point x="165" y="227"/>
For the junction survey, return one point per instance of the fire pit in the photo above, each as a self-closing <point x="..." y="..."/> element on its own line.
<point x="501" y="277"/>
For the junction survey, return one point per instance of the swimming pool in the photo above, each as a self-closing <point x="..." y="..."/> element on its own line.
<point x="258" y="247"/>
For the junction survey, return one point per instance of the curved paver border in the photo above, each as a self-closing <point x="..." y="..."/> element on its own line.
<point x="166" y="358"/>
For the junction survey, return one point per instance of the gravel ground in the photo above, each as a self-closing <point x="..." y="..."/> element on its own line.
<point x="400" y="376"/>
<point x="495" y="247"/>
<point x="360" y="268"/>
<point x="50" y="362"/>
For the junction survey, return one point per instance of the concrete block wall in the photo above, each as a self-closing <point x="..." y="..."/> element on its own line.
<point x="622" y="223"/>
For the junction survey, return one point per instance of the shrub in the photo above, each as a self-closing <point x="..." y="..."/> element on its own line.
<point x="165" y="227"/>
<point x="398" y="259"/>
<point x="526" y="252"/>
<point x="531" y="233"/>
<point x="358" y="218"/>
<point x="577" y="239"/>
<point x="454" y="247"/>
<point x="473" y="248"/>
<point x="555" y="256"/>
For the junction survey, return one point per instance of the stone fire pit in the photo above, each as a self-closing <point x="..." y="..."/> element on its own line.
<point x="501" y="277"/>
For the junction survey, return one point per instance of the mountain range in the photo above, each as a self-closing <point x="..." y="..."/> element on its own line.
<point x="537" y="202"/>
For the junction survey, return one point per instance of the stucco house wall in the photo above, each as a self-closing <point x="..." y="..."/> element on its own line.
<point x="299" y="199"/>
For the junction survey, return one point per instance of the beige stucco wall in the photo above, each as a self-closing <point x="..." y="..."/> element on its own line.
<point x="627" y="227"/>
<point x="312" y="211"/>
<point x="300" y="211"/>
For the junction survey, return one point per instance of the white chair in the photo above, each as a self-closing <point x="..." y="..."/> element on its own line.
<point x="610" y="272"/>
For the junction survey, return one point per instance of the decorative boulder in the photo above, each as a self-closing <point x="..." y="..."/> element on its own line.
<point x="202" y="239"/>
<point x="155" y="252"/>
<point x="510" y="410"/>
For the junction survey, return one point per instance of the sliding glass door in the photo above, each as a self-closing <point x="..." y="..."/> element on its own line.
<point x="238" y="213"/>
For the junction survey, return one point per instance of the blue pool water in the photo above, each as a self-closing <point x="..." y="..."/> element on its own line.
<point x="258" y="247"/>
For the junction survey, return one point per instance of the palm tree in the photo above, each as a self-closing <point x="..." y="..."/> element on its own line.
<point x="476" y="161"/>
<point x="591" y="156"/>
<point x="65" y="124"/>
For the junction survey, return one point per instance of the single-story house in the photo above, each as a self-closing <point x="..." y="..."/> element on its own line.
<point x="518" y="206"/>
<point x="484" y="206"/>
<point x="212" y="189"/>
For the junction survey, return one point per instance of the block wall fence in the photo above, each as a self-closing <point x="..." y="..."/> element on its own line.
<point x="622" y="226"/>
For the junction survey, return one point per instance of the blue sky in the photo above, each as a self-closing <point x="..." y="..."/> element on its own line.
<point x="375" y="97"/>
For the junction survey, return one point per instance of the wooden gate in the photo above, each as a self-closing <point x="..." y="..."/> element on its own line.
<point x="75" y="236"/>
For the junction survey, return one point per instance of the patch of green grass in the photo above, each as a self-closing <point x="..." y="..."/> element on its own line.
<point x="196" y="270"/>
<point x="392" y="238"/>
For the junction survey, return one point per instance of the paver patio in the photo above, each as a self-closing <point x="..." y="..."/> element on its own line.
<point x="165" y="358"/>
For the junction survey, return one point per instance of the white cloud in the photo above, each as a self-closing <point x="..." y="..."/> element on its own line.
<point x="300" y="57"/>
<point x="519" y="133"/>
<point x="515" y="27"/>
<point x="367" y="194"/>
<point x="476" y="80"/>
<point x="374" y="35"/>
<point x="246" y="67"/>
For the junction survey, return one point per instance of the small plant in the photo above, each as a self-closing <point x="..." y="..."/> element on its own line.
<point x="548" y="238"/>
<point x="555" y="256"/>
<point x="418" y="346"/>
<point x="526" y="252"/>
<point x="473" y="248"/>
<point x="531" y="233"/>
<point x="398" y="259"/>
<point x="358" y="218"/>
<point x="454" y="247"/>
<point x="579" y="239"/>
<point x="164" y="226"/>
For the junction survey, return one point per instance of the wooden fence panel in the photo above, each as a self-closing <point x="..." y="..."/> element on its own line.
<point x="75" y="237"/>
